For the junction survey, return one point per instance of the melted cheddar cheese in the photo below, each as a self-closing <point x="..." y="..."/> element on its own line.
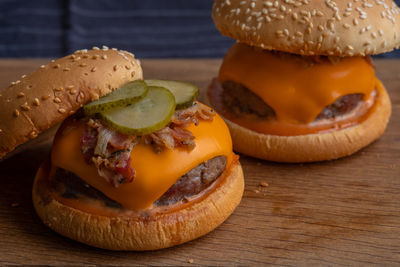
<point x="155" y="172"/>
<point x="297" y="93"/>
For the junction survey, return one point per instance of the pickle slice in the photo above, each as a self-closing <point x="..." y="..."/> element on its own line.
<point x="185" y="93"/>
<point x="147" y="115"/>
<point x="127" y="94"/>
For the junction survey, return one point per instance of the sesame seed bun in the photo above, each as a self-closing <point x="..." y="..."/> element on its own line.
<point x="139" y="232"/>
<point x="318" y="146"/>
<point x="56" y="90"/>
<point x="331" y="28"/>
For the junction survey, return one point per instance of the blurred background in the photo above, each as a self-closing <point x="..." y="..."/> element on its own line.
<point x="151" y="28"/>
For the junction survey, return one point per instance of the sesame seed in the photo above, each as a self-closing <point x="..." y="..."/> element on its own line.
<point x="25" y="106"/>
<point x="95" y="48"/>
<point x="268" y="3"/>
<point x="57" y="66"/>
<point x="373" y="35"/>
<point x="355" y="21"/>
<point x="45" y="97"/>
<point x="72" y="91"/>
<point x="299" y="34"/>
<point x="42" y="66"/>
<point x="133" y="74"/>
<point x="93" y="69"/>
<point x="66" y="69"/>
<point x="349" y="47"/>
<point x="52" y="61"/>
<point x="16" y="113"/>
<point x="286" y="32"/>
<point x="80" y="97"/>
<point x="115" y="67"/>
<point x="72" y="57"/>
<point x="57" y="100"/>
<point x="127" y="67"/>
<point x="77" y="58"/>
<point x="21" y="94"/>
<point x="61" y="110"/>
<point x="380" y="32"/>
<point x="190" y="260"/>
<point x="320" y="28"/>
<point x="95" y="56"/>
<point x="105" y="48"/>
<point x="104" y="57"/>
<point x="58" y="89"/>
<point x="23" y="76"/>
<point x="29" y="87"/>
<point x="36" y="102"/>
<point x="33" y="134"/>
<point x="346" y="26"/>
<point x="70" y="87"/>
<point x="85" y="56"/>
<point x="82" y="65"/>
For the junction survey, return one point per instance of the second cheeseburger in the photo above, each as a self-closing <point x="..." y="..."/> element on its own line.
<point x="144" y="167"/>
<point x="300" y="84"/>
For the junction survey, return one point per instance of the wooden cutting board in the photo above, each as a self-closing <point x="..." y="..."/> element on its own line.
<point x="342" y="212"/>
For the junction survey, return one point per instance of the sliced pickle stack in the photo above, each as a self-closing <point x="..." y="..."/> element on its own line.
<point x="142" y="107"/>
<point x="185" y="93"/>
<point x="128" y="94"/>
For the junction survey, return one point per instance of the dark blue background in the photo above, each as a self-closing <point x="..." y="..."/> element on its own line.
<point x="149" y="28"/>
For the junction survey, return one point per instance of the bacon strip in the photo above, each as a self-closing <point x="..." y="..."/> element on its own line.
<point x="110" y="151"/>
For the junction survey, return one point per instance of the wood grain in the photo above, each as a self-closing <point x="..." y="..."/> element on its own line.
<point x="342" y="212"/>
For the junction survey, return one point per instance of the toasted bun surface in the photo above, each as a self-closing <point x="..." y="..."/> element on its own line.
<point x="140" y="233"/>
<point x="337" y="28"/>
<point x="314" y="147"/>
<point x="56" y="90"/>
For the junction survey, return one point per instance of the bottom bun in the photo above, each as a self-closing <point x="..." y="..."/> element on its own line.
<point x="138" y="232"/>
<point x="314" y="147"/>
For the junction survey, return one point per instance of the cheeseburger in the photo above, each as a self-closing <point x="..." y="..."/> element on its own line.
<point x="135" y="165"/>
<point x="300" y="85"/>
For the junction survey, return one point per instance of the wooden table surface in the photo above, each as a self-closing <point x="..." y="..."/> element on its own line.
<point x="342" y="212"/>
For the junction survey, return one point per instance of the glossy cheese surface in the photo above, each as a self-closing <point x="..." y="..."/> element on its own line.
<point x="296" y="92"/>
<point x="155" y="173"/>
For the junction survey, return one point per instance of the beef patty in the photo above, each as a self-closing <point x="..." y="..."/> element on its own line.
<point x="190" y="184"/>
<point x="240" y="101"/>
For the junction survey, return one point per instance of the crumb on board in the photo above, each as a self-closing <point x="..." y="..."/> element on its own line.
<point x="14" y="204"/>
<point x="264" y="184"/>
<point x="256" y="191"/>
<point x="190" y="260"/>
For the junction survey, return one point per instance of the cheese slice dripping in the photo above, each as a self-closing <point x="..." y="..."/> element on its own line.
<point x="155" y="172"/>
<point x="297" y="93"/>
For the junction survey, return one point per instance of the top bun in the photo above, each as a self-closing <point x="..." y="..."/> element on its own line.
<point x="54" y="91"/>
<point x="312" y="27"/>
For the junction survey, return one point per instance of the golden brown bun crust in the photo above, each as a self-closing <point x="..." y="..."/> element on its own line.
<point x="140" y="233"/>
<point x="313" y="147"/>
<point x="314" y="27"/>
<point x="56" y="90"/>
